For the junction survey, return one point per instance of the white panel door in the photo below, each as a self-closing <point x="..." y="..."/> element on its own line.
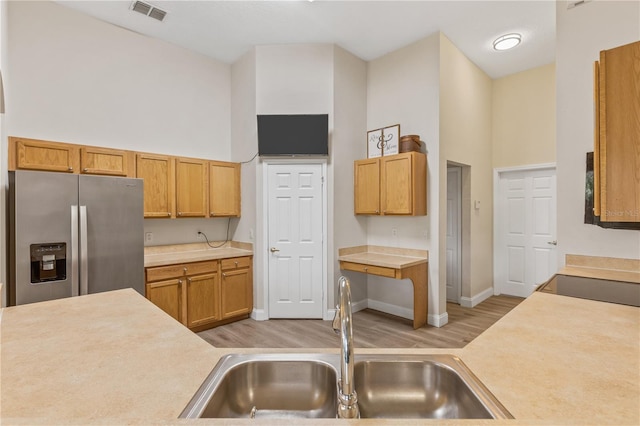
<point x="526" y="221"/>
<point x="295" y="240"/>
<point x="454" y="224"/>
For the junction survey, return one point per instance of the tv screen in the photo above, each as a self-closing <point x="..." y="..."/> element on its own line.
<point x="302" y="134"/>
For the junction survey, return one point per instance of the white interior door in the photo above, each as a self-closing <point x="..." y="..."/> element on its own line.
<point x="295" y="226"/>
<point x="526" y="230"/>
<point x="454" y="224"/>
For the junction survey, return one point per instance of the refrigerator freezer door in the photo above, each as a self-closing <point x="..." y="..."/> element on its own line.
<point x="39" y="213"/>
<point x="114" y="243"/>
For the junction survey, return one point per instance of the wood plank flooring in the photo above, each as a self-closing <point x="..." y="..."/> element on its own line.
<point x="371" y="329"/>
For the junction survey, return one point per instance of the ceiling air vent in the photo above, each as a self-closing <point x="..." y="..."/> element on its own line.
<point x="149" y="10"/>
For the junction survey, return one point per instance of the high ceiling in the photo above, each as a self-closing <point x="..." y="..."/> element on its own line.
<point x="225" y="30"/>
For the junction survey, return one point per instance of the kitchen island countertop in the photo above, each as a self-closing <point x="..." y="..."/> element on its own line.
<point x="115" y="358"/>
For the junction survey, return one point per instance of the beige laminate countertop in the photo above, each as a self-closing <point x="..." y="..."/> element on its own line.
<point x="115" y="358"/>
<point x="387" y="257"/>
<point x="606" y="268"/>
<point x="194" y="252"/>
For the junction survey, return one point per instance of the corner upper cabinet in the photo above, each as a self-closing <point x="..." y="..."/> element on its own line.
<point x="33" y="154"/>
<point x="158" y="174"/>
<point x="391" y="185"/>
<point x="224" y="189"/>
<point x="617" y="134"/>
<point x="191" y="187"/>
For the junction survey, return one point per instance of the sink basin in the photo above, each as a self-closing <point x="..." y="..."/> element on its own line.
<point x="303" y="385"/>
<point x="265" y="386"/>
<point x="439" y="387"/>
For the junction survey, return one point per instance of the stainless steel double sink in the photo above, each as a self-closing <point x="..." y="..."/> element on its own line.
<point x="303" y="385"/>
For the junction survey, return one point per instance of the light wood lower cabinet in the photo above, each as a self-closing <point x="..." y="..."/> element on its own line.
<point x="236" y="288"/>
<point x="204" y="294"/>
<point x="203" y="305"/>
<point x="167" y="295"/>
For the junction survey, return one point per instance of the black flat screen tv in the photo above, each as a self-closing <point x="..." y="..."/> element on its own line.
<point x="293" y="135"/>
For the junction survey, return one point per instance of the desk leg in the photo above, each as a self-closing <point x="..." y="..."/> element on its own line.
<point x="418" y="276"/>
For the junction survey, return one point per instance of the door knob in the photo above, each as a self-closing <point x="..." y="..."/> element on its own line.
<point x="273" y="250"/>
<point x="553" y="243"/>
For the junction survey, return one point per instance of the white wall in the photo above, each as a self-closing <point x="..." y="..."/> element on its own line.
<point x="403" y="87"/>
<point x="76" y="79"/>
<point x="347" y="145"/>
<point x="581" y="33"/>
<point x="290" y="79"/>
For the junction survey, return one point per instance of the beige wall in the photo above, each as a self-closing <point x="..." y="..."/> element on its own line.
<point x="581" y="33"/>
<point x="524" y="118"/>
<point x="465" y="138"/>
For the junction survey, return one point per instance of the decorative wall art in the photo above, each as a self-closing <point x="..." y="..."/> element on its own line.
<point x="383" y="141"/>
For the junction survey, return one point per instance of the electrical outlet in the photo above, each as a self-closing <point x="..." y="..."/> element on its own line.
<point x="394" y="232"/>
<point x="148" y="237"/>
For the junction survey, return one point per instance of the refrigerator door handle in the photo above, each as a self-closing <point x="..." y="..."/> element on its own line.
<point x="75" y="288"/>
<point x="84" y="252"/>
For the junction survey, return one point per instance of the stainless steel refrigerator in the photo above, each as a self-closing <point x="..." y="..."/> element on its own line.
<point x="72" y="235"/>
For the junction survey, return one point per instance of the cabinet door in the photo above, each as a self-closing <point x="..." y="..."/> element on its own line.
<point x="191" y="187"/>
<point x="158" y="174"/>
<point x="167" y="295"/>
<point x="403" y="180"/>
<point x="203" y="303"/>
<point x="103" y="161"/>
<point x="33" y="154"/>
<point x="236" y="292"/>
<point x="619" y="129"/>
<point x="366" y="177"/>
<point x="224" y="189"/>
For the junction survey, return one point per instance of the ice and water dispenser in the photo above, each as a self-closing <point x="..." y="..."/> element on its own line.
<point x="48" y="262"/>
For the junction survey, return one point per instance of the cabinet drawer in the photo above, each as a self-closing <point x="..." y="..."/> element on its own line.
<point x="235" y="262"/>
<point x="368" y="269"/>
<point x="180" y="270"/>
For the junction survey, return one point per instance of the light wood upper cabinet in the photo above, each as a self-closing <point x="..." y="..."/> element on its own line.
<point x="224" y="189"/>
<point x="191" y="187"/>
<point x="367" y="186"/>
<point x="391" y="185"/>
<point x="617" y="136"/>
<point x="158" y="174"/>
<point x="105" y="161"/>
<point x="32" y="154"/>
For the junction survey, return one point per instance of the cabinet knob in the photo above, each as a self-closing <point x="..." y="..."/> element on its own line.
<point x="210" y="213"/>
<point x="365" y="269"/>
<point x="188" y="280"/>
<point x="179" y="213"/>
<point x="224" y="274"/>
<point x="85" y="170"/>
<point x="184" y="269"/>
<point x="179" y="281"/>
<point x="168" y="214"/>
<point x="236" y="264"/>
<point x="70" y="169"/>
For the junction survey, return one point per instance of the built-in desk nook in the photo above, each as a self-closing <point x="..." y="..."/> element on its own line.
<point x="393" y="262"/>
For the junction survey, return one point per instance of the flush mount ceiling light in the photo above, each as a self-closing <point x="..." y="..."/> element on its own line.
<point x="507" y="41"/>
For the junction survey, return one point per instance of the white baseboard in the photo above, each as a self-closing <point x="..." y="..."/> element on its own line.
<point x="329" y="314"/>
<point x="360" y="305"/>
<point x="398" y="311"/>
<point x="259" y="315"/>
<point x="438" y="320"/>
<point x="470" y="302"/>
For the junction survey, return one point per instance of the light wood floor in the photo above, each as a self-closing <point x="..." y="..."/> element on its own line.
<point x="371" y="329"/>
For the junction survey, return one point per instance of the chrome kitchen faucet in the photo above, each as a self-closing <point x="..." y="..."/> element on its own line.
<point x="347" y="397"/>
